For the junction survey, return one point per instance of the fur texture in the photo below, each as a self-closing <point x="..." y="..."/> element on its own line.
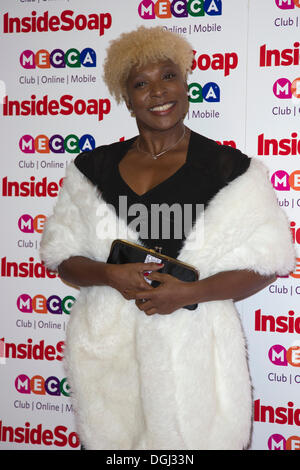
<point x="178" y="381"/>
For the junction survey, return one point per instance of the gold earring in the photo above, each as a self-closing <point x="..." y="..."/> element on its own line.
<point x="132" y="113"/>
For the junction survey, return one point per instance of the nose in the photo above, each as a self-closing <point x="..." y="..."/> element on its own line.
<point x="158" y="88"/>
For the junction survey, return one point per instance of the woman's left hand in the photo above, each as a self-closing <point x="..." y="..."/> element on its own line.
<point x="170" y="295"/>
<point x="173" y="294"/>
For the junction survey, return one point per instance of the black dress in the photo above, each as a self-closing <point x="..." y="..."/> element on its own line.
<point x="207" y="169"/>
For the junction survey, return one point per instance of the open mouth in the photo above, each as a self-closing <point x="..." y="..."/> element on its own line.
<point x="162" y="108"/>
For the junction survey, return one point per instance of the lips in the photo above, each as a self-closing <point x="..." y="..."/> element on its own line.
<point x="163" y="108"/>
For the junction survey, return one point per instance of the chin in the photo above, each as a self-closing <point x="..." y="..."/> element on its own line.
<point x="162" y="124"/>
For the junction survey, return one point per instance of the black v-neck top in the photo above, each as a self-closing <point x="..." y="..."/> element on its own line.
<point x="165" y="214"/>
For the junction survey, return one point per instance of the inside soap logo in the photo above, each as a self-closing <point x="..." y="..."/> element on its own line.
<point x="277" y="58"/>
<point x="287" y="4"/>
<point x="273" y="146"/>
<point x="67" y="21"/>
<point x="66" y="105"/>
<point x="280" y="356"/>
<point x="58" y="59"/>
<point x="284" y="89"/>
<point x="296" y="239"/>
<point x="225" y="62"/>
<point x="149" y="10"/>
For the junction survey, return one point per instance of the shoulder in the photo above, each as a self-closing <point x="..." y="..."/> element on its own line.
<point x="221" y="161"/>
<point x="97" y="161"/>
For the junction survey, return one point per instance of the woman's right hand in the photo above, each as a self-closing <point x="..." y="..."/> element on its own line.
<point x="130" y="276"/>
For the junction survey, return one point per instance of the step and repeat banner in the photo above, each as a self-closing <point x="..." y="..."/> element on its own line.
<point x="244" y="92"/>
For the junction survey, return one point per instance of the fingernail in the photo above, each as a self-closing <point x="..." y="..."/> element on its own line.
<point x="146" y="274"/>
<point x="160" y="264"/>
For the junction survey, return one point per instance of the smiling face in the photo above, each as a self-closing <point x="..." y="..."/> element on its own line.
<point x="157" y="93"/>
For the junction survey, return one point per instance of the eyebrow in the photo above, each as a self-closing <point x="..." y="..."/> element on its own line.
<point x="163" y="68"/>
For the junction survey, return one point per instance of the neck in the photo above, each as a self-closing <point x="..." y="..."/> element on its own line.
<point x="155" y="141"/>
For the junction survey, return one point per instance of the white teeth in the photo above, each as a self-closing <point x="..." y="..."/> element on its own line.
<point x="164" y="107"/>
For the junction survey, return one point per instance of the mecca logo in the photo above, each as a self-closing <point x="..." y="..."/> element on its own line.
<point x="210" y="92"/>
<point x="29" y="224"/>
<point x="296" y="273"/>
<point x="284" y="89"/>
<point x="283" y="181"/>
<point x="65" y="106"/>
<point x="149" y="10"/>
<point x="218" y="61"/>
<point x="276" y="58"/>
<point x="280" y="356"/>
<point x="65" y="22"/>
<point x="278" y="442"/>
<point x="56" y="143"/>
<point x="40" y="386"/>
<point x="58" y="59"/>
<point x="40" y="304"/>
<point x="287" y="4"/>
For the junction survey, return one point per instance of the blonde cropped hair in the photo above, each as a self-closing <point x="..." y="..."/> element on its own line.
<point x="140" y="47"/>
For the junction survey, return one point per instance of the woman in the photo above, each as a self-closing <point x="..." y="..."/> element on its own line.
<point x="145" y="372"/>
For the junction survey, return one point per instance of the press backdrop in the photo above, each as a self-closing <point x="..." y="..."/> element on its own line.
<point x="245" y="91"/>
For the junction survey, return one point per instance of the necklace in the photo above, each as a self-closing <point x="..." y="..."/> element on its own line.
<point x="155" y="156"/>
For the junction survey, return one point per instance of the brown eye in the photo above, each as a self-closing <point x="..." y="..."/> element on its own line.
<point x="139" y="84"/>
<point x="169" y="76"/>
